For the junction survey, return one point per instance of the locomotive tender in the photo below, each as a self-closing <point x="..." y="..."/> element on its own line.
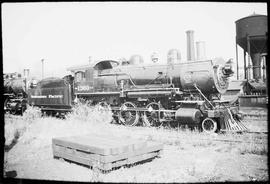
<point x="185" y="93"/>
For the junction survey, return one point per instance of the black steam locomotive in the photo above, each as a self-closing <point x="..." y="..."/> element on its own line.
<point x="15" y="96"/>
<point x="185" y="93"/>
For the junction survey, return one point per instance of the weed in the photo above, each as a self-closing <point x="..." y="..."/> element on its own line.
<point x="191" y="170"/>
<point x="31" y="113"/>
<point x="14" y="129"/>
<point x="252" y="148"/>
<point x="17" y="134"/>
<point x="177" y="142"/>
<point x="211" y="179"/>
<point x="149" y="138"/>
<point x="96" y="176"/>
<point x="85" y="112"/>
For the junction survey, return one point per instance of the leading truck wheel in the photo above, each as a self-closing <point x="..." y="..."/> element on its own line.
<point x="128" y="114"/>
<point x="209" y="125"/>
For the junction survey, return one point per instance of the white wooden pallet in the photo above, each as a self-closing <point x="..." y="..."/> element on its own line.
<point x="104" y="152"/>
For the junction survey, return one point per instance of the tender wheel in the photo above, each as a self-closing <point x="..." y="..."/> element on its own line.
<point x="128" y="115"/>
<point x="22" y="110"/>
<point x="5" y="104"/>
<point x="209" y="125"/>
<point x="152" y="117"/>
<point x="13" y="111"/>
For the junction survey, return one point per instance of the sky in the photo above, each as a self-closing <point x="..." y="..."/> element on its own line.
<point x="65" y="34"/>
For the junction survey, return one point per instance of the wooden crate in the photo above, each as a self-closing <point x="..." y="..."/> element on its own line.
<point x="104" y="152"/>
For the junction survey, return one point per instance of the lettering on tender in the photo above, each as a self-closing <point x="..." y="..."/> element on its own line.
<point x="38" y="96"/>
<point x="55" y="96"/>
<point x="49" y="96"/>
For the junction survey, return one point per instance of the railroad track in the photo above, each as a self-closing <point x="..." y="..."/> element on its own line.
<point x="233" y="141"/>
<point x="255" y="115"/>
<point x="240" y="141"/>
<point x="257" y="132"/>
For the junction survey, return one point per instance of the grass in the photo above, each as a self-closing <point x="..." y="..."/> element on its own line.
<point x="187" y="140"/>
<point x="31" y="114"/>
<point x="15" y="126"/>
<point x="86" y="118"/>
<point x="252" y="148"/>
<point x="37" y="132"/>
<point x="83" y="111"/>
<point x="33" y="127"/>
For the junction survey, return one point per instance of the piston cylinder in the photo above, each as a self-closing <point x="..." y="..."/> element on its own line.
<point x="188" y="115"/>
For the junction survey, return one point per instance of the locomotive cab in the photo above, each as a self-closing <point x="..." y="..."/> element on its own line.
<point x="88" y="72"/>
<point x="94" y="79"/>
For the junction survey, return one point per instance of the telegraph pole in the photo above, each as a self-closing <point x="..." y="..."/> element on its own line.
<point x="26" y="75"/>
<point x="42" y="61"/>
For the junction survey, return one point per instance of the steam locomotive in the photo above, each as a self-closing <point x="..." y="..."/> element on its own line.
<point x="15" y="96"/>
<point x="153" y="95"/>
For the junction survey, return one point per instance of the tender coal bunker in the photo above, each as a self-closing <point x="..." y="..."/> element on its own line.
<point x="52" y="83"/>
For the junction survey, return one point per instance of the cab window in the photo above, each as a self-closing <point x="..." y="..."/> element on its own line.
<point x="79" y="76"/>
<point x="103" y="67"/>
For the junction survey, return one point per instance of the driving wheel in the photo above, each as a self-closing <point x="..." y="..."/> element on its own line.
<point x="151" y="117"/>
<point x="128" y="114"/>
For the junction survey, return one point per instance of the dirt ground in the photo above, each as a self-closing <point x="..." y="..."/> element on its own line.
<point x="188" y="156"/>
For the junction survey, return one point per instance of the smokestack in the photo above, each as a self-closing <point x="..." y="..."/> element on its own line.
<point x="190" y="45"/>
<point x="200" y="49"/>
